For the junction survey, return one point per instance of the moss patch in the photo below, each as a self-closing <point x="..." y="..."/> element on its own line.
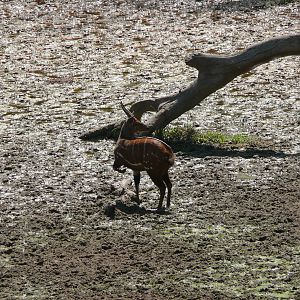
<point x="188" y="134"/>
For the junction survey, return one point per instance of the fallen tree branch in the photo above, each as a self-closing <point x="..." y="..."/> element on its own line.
<point x="214" y="73"/>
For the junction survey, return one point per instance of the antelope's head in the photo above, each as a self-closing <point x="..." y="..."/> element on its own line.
<point x="132" y="125"/>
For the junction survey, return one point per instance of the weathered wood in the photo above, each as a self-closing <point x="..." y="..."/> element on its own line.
<point x="109" y="131"/>
<point x="214" y="73"/>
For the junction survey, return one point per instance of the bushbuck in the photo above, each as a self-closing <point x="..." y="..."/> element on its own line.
<point x="143" y="154"/>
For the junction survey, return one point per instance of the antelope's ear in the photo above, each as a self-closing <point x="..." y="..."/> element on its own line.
<point x="126" y="111"/>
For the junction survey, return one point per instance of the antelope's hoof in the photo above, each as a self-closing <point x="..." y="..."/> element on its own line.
<point x="121" y="170"/>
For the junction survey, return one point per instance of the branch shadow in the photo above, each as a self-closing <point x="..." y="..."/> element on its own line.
<point x="246" y="5"/>
<point x="204" y="150"/>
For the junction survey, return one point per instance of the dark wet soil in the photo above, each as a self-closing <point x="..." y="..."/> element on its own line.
<point x="233" y="228"/>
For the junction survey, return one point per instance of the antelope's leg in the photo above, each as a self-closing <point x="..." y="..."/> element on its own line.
<point x="158" y="181"/>
<point x="137" y="179"/>
<point x="117" y="166"/>
<point x="168" y="182"/>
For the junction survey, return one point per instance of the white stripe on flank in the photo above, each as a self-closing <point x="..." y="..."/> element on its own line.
<point x="132" y="150"/>
<point x="152" y="138"/>
<point x="144" y="150"/>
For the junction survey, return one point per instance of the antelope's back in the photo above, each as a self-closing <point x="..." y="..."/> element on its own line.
<point x="152" y="153"/>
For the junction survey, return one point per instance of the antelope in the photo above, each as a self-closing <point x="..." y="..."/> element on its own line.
<point x="143" y="154"/>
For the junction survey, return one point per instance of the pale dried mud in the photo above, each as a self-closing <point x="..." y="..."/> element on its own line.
<point x="233" y="228"/>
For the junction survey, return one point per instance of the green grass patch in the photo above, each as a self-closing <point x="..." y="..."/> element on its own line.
<point x="188" y="134"/>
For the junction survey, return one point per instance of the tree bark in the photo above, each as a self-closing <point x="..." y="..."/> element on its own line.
<point x="214" y="73"/>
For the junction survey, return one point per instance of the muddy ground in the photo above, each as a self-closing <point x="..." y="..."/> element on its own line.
<point x="233" y="228"/>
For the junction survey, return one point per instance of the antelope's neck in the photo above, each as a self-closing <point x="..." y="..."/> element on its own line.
<point x="124" y="135"/>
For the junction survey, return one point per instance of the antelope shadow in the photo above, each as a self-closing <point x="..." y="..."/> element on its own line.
<point x="134" y="208"/>
<point x="130" y="209"/>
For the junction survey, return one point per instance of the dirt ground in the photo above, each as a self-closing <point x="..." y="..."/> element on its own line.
<point x="233" y="228"/>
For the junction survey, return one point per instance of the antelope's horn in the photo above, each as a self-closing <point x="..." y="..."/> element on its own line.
<point x="126" y="111"/>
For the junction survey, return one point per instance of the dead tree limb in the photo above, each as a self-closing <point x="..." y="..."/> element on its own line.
<point x="214" y="72"/>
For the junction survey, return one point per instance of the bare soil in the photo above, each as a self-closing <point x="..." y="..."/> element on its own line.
<point x="233" y="228"/>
